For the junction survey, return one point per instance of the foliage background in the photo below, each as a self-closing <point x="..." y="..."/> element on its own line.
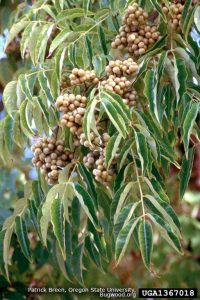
<point x="175" y="271"/>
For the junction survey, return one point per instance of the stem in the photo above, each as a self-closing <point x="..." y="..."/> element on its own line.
<point x="56" y="132"/>
<point x="41" y="70"/>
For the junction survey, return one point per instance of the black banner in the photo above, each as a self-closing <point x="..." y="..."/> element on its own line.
<point x="168" y="293"/>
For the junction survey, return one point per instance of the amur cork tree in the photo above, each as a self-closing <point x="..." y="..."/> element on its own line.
<point x="108" y="101"/>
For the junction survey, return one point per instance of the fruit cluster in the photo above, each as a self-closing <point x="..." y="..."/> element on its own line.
<point x="139" y="42"/>
<point x="130" y="98"/>
<point x="96" y="142"/>
<point x="174" y="12"/>
<point x="118" y="72"/>
<point x="50" y="156"/>
<point x="120" y="68"/>
<point x="80" y="76"/>
<point x="96" y="160"/>
<point x="65" y="82"/>
<point x="73" y="109"/>
<point x="100" y="172"/>
<point x="90" y="158"/>
<point x="76" y="136"/>
<point x="118" y="85"/>
<point x="136" y="33"/>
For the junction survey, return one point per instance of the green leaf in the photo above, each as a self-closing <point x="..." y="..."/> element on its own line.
<point x="103" y="201"/>
<point x="87" y="204"/>
<point x="59" y="61"/>
<point x="24" y="119"/>
<point x="166" y="231"/>
<point x="64" y="36"/>
<point x="157" y="189"/>
<point x="124" y="152"/>
<point x="65" y="173"/>
<point x="72" y="52"/>
<point x="38" y="118"/>
<point x="9" y="97"/>
<point x="150" y="91"/>
<point x="161" y="63"/>
<point x="88" y="46"/>
<point x="15" y="29"/>
<point x="188" y="61"/>
<point x="142" y="151"/>
<point x="1" y="138"/>
<point x="55" y="85"/>
<point x="184" y="13"/>
<point x="194" y="88"/>
<point x="69" y="14"/>
<point x="40" y="49"/>
<point x="188" y="125"/>
<point x="82" y="28"/>
<point x="89" y="119"/>
<point x="77" y="264"/>
<point x="124" y="216"/>
<point x="115" y="118"/>
<point x="50" y="10"/>
<point x="88" y="178"/>
<point x="60" y="189"/>
<point x="123" y="239"/>
<point x="180" y="76"/>
<point x="146" y="241"/>
<point x="86" y="5"/>
<point x="185" y="173"/>
<point x="68" y="267"/>
<point x="166" y="211"/>
<point x="61" y="2"/>
<point x="68" y="237"/>
<point x="8" y="132"/>
<point x="188" y="22"/>
<point x="61" y="262"/>
<point x="197" y="18"/>
<point x="93" y="251"/>
<point x="97" y="238"/>
<point x="33" y="42"/>
<point x="6" y="248"/>
<point x="20" y="207"/>
<point x="58" y="222"/>
<point x="159" y="136"/>
<point x="119" y="199"/>
<point x="76" y="216"/>
<point x="22" y="235"/>
<point x="45" y="86"/>
<point x="122" y="176"/>
<point x="102" y="39"/>
<point x="68" y="140"/>
<point x="43" y="109"/>
<point x="2" y="235"/>
<point x="117" y="101"/>
<point x="26" y="36"/>
<point x="33" y="214"/>
<point x="112" y="148"/>
<point x="20" y="95"/>
<point x="99" y="63"/>
<point x="26" y="83"/>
